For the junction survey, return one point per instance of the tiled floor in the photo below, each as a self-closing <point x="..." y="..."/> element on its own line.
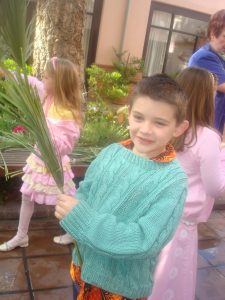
<point x="211" y="262"/>
<point x="41" y="271"/>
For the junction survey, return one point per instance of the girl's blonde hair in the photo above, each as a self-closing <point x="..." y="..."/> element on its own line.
<point x="199" y="86"/>
<point x="67" y="92"/>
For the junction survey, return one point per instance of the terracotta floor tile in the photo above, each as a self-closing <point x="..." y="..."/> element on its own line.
<point x="210" y="285"/>
<point x="222" y="212"/>
<point x="206" y="244"/>
<point x="43" y="223"/>
<point x="8" y="225"/>
<point x="12" y="275"/>
<point x="215" y="214"/>
<point x="205" y="232"/>
<point x="221" y="269"/>
<point x="215" y="255"/>
<point x="41" y="243"/>
<point x="46" y="211"/>
<point x="56" y="294"/>
<point x="17" y="296"/>
<point x="35" y="224"/>
<point x="50" y="271"/>
<point x="202" y="262"/>
<point x="4" y="237"/>
<point x="218" y="225"/>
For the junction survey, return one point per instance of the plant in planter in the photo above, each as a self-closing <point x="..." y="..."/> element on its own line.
<point x="103" y="126"/>
<point x="105" y="85"/>
<point x="130" y="67"/>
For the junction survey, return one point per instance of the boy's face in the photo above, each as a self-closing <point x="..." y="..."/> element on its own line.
<point x="152" y="125"/>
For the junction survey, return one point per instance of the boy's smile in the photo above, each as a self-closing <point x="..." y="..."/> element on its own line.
<point x="152" y="125"/>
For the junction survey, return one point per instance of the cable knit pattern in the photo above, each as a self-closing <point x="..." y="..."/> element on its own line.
<point x="129" y="208"/>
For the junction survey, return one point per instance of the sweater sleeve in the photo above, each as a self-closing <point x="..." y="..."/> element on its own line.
<point x="212" y="163"/>
<point x="145" y="237"/>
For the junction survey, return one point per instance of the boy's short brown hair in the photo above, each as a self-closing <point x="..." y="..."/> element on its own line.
<point x="161" y="87"/>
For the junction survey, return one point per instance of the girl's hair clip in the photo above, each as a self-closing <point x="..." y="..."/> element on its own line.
<point x="53" y="60"/>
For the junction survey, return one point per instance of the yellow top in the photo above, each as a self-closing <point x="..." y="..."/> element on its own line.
<point x="57" y="112"/>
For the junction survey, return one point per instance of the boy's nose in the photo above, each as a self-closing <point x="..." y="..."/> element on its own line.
<point x="146" y="128"/>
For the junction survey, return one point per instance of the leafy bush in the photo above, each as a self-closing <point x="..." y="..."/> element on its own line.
<point x="102" y="127"/>
<point x="128" y="66"/>
<point x="105" y="85"/>
<point x="11" y="65"/>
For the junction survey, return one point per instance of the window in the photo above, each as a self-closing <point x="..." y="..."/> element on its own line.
<point x="173" y="35"/>
<point x="87" y="28"/>
<point x="91" y="29"/>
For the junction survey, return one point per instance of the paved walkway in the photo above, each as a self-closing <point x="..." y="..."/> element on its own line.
<point x="41" y="271"/>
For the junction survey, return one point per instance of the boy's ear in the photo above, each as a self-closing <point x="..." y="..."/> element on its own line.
<point x="181" y="128"/>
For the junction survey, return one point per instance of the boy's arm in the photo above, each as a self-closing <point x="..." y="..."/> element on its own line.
<point x="105" y="234"/>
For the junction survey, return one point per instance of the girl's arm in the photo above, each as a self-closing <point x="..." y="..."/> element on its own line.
<point x="36" y="83"/>
<point x="212" y="163"/>
<point x="64" y="135"/>
<point x="145" y="237"/>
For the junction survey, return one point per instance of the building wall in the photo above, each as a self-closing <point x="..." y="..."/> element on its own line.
<point x="124" y="24"/>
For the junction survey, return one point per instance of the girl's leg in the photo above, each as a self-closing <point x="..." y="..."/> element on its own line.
<point x="21" y="238"/>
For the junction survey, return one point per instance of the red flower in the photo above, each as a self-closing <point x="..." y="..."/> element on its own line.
<point x="19" y="129"/>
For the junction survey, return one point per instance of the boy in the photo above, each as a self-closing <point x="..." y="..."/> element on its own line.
<point x="131" y="199"/>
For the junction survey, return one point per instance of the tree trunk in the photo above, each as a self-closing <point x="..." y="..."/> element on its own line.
<point x="59" y="32"/>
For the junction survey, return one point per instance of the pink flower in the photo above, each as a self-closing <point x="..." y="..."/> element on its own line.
<point x="19" y="129"/>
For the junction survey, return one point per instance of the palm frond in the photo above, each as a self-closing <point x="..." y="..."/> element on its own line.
<point x="22" y="101"/>
<point x="16" y="34"/>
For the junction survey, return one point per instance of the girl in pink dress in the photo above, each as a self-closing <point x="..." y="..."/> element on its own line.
<point x="60" y="94"/>
<point x="201" y="155"/>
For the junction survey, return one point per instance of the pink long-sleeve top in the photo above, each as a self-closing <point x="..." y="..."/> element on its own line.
<point x="204" y="163"/>
<point x="64" y="131"/>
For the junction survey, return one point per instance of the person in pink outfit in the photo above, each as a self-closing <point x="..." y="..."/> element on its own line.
<point x="60" y="94"/>
<point x="202" y="156"/>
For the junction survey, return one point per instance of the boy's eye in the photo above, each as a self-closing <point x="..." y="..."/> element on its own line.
<point x="160" y="124"/>
<point x="138" y="117"/>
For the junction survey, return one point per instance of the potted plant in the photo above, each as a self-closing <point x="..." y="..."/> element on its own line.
<point x="106" y="85"/>
<point x="130" y="67"/>
<point x="103" y="125"/>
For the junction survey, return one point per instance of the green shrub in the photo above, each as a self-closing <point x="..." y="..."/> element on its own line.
<point x="105" y="85"/>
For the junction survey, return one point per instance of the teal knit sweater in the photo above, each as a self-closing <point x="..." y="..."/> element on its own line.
<point x="129" y="208"/>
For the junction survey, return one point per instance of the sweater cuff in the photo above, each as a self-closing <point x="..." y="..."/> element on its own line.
<point x="78" y="220"/>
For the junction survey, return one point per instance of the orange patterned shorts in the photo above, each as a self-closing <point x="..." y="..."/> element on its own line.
<point x="90" y="292"/>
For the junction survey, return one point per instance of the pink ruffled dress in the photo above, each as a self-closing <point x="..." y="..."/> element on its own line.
<point x="38" y="184"/>
<point x="204" y="163"/>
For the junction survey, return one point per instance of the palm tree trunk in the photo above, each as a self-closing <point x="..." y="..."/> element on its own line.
<point x="59" y="32"/>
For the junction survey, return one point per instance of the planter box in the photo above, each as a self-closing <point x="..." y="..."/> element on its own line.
<point x="16" y="159"/>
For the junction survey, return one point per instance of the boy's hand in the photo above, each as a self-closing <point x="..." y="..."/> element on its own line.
<point x="64" y="205"/>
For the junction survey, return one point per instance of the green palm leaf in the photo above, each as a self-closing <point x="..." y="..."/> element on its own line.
<point x="22" y="102"/>
<point x="16" y="34"/>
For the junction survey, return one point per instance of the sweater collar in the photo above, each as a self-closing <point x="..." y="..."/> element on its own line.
<point x="168" y="155"/>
